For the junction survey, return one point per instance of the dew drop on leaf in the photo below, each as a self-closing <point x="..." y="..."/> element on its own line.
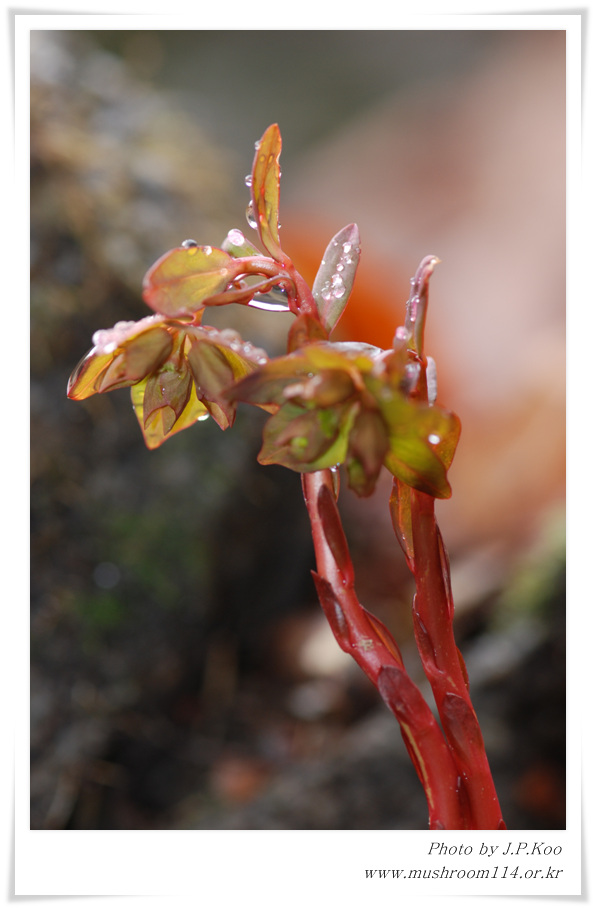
<point x="337" y="287"/>
<point x="187" y="244"/>
<point x="250" y="216"/>
<point x="248" y="180"/>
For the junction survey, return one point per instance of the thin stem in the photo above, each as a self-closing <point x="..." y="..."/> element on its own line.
<point x="444" y="665"/>
<point x="363" y="636"/>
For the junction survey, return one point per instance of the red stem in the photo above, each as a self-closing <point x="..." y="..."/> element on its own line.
<point x="372" y="647"/>
<point x="444" y="666"/>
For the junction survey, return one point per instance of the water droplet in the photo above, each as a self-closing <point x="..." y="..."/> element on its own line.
<point x="248" y="180"/>
<point x="207" y="250"/>
<point x="401" y="333"/>
<point x="434" y="439"/>
<point x="110" y="347"/>
<point x="188" y="244"/>
<point x="335" y="479"/>
<point x="338" y="288"/>
<point x="235" y="237"/>
<point x="347" y="247"/>
<point x="326" y="292"/>
<point x="414" y="301"/>
<point x="203" y="417"/>
<point x="257" y="144"/>
<point x="250" y="216"/>
<point x="275" y="300"/>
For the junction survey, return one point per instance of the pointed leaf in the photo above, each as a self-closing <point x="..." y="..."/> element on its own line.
<point x="265" y="191"/>
<point x="334" y="534"/>
<point x="385" y="635"/>
<point x="335" y="278"/>
<point x="180" y="281"/>
<point x="333" y="612"/>
<point x="410" y="460"/>
<point x="417" y="305"/>
<point x="400" y="508"/>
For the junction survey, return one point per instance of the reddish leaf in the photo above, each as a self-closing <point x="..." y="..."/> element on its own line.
<point x="417" y="305"/>
<point x="366" y="453"/>
<point x="180" y="282"/>
<point x="304" y="330"/>
<point x="159" y="427"/>
<point x="122" y="356"/>
<point x="168" y="391"/>
<point x="265" y="191"/>
<point x="334" y="533"/>
<point x="334" y="280"/>
<point x="267" y="384"/>
<point x="401" y="517"/>
<point x="333" y="611"/>
<point x="385" y="635"/>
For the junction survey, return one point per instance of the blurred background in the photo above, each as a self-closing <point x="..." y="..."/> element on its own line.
<point x="181" y="673"/>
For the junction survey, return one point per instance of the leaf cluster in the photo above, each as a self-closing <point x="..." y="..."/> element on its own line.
<point x="330" y="403"/>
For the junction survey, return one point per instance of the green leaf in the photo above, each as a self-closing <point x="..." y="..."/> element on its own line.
<point x="411" y="460"/>
<point x="335" y="278"/>
<point x="238" y="246"/>
<point x="265" y="191"/>
<point x="422" y="439"/>
<point x="180" y="282"/>
<point x="307" y="440"/>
